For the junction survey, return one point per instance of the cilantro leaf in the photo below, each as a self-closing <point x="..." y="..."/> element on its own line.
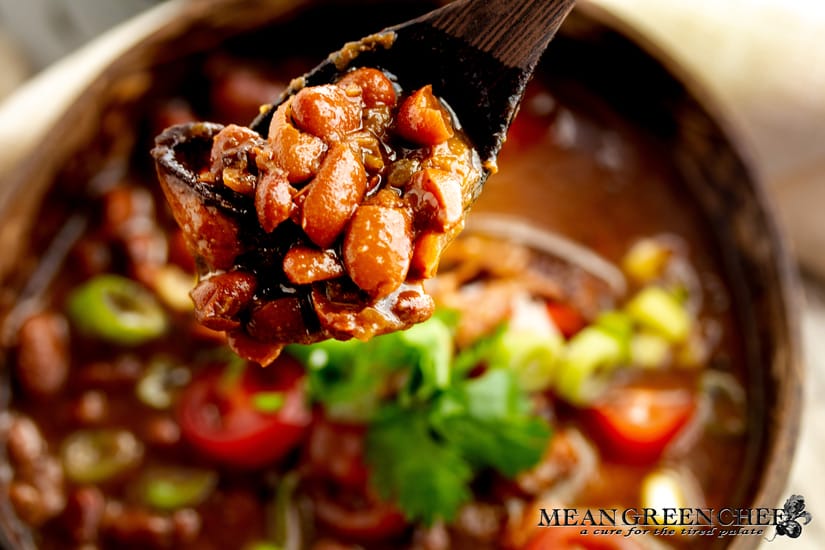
<point x="488" y="420"/>
<point x="426" y="477"/>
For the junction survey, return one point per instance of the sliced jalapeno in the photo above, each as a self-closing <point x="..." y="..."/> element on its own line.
<point x="173" y="488"/>
<point x="116" y="309"/>
<point x="94" y="456"/>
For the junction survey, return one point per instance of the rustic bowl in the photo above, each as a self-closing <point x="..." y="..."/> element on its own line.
<point x="594" y="48"/>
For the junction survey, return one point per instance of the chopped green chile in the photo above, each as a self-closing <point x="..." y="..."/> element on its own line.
<point x="658" y="310"/>
<point x="649" y="350"/>
<point x="116" y="309"/>
<point x="172" y="488"/>
<point x="95" y="456"/>
<point x="590" y="357"/>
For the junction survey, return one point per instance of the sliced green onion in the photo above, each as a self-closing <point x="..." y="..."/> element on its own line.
<point x="649" y="351"/>
<point x="175" y="487"/>
<point x="116" y="309"/>
<point x="157" y="387"/>
<point x="656" y="309"/>
<point x="94" y="456"/>
<point x="646" y="260"/>
<point x="268" y="401"/>
<point x="532" y="357"/>
<point x="590" y="356"/>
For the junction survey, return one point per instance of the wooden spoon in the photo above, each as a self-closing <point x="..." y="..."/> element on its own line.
<point x="477" y="54"/>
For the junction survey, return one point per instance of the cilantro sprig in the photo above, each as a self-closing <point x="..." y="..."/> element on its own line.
<point x="427" y="440"/>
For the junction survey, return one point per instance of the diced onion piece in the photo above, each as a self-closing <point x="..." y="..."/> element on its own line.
<point x="94" y="456"/>
<point x="656" y="309"/>
<point x="649" y="351"/>
<point x="173" y="488"/>
<point x="116" y="309"/>
<point x="662" y="489"/>
<point x="172" y="285"/>
<point x="668" y="488"/>
<point x="646" y="260"/>
<point x="530" y="355"/>
<point x="589" y="358"/>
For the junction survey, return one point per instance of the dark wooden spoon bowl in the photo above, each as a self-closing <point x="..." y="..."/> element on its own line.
<point x="477" y="54"/>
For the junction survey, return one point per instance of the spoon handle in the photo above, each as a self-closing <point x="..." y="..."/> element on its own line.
<point x="515" y="32"/>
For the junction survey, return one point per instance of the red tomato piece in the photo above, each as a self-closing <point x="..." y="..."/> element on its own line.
<point x="570" y="538"/>
<point x="566" y="318"/>
<point x="220" y="418"/>
<point x="635" y="424"/>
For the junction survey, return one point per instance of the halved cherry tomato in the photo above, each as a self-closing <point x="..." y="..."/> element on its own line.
<point x="335" y="450"/>
<point x="635" y="424"/>
<point x="566" y="318"/>
<point x="570" y="538"/>
<point x="358" y="515"/>
<point x="222" y="417"/>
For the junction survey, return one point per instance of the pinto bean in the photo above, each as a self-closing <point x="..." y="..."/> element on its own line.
<point x="278" y="320"/>
<point x="376" y="88"/>
<point x="435" y="196"/>
<point x="297" y="152"/>
<point x="91" y="408"/>
<point x="326" y="111"/>
<point x="83" y="513"/>
<point x="378" y="248"/>
<point x="43" y="354"/>
<point x="413" y="305"/>
<point x="220" y="298"/>
<point x="187" y="525"/>
<point x="351" y="320"/>
<point x="230" y="158"/>
<point x="333" y="195"/>
<point x="161" y="431"/>
<point x="28" y="505"/>
<point x="124" y="203"/>
<point x="423" y="120"/>
<point x="273" y="199"/>
<point x="24" y="443"/>
<point x="304" y="265"/>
